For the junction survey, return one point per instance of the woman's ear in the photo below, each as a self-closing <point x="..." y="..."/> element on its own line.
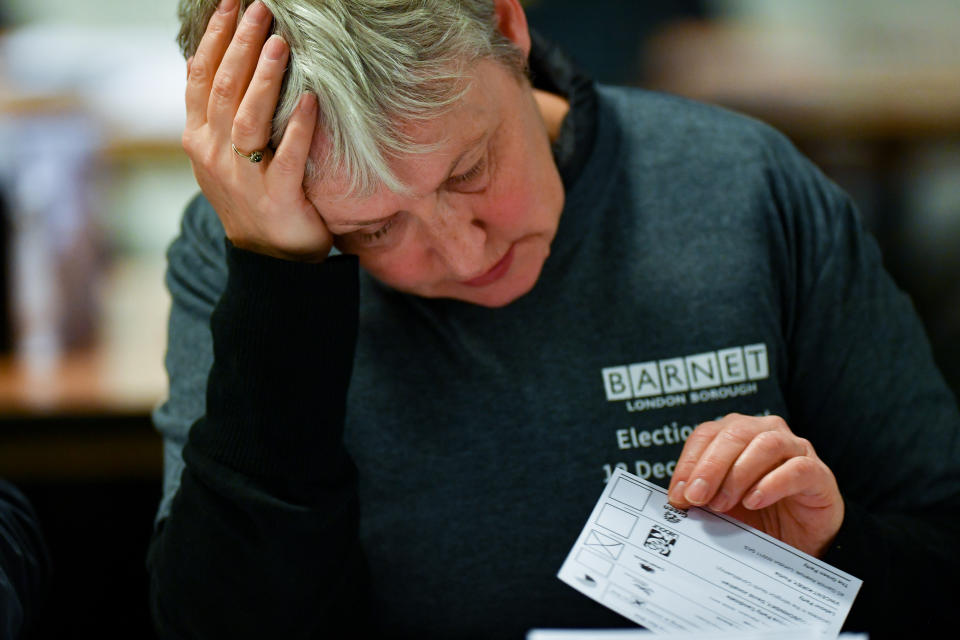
<point x="512" y="22"/>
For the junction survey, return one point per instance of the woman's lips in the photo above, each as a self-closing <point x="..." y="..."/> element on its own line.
<point x="496" y="272"/>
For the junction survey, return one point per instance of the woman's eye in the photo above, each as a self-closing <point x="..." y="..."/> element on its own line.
<point x="378" y="234"/>
<point x="470" y="177"/>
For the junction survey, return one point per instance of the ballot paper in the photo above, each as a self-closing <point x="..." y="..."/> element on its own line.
<point x="793" y="633"/>
<point x="676" y="571"/>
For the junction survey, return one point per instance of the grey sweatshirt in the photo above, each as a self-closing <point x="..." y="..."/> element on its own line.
<point x="342" y="454"/>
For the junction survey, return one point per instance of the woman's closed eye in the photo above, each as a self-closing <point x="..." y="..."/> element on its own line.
<point x="376" y="234"/>
<point x="470" y="179"/>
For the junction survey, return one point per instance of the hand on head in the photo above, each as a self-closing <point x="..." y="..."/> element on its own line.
<point x="758" y="471"/>
<point x="233" y="85"/>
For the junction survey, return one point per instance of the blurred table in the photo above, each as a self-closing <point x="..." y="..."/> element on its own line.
<point x="122" y="373"/>
<point x="87" y="415"/>
<point x="879" y="97"/>
<point x="810" y="88"/>
<point x="80" y="383"/>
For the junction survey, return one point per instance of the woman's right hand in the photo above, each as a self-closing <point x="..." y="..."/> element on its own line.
<point x="233" y="85"/>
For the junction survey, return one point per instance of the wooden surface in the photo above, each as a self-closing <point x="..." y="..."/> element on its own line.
<point x="122" y="374"/>
<point x="86" y="416"/>
<point x="79" y="383"/>
<point x="811" y="88"/>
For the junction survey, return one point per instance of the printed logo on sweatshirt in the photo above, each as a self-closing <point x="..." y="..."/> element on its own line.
<point x="693" y="379"/>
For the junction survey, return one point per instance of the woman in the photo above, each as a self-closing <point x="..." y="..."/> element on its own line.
<point x="557" y="279"/>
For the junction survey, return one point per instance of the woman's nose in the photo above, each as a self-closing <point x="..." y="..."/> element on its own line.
<point x="459" y="239"/>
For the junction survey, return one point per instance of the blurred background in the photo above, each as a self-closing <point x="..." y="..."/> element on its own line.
<point x="93" y="181"/>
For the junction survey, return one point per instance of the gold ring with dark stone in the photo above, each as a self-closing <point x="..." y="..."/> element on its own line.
<point x="253" y="156"/>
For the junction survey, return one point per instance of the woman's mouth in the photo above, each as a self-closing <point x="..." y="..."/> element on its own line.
<point x="495" y="272"/>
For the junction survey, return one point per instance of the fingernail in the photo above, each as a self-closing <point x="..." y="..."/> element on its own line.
<point x="307" y="102"/>
<point x="226" y="6"/>
<point x="754" y="500"/>
<point x="255" y="13"/>
<point x="275" y="48"/>
<point x="697" y="493"/>
<point x="720" y="501"/>
<point x="677" y="494"/>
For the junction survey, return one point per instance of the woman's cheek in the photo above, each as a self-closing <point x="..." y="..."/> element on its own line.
<point x="510" y="206"/>
<point x="403" y="268"/>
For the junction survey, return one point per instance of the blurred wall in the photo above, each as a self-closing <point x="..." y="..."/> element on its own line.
<point x="93" y="12"/>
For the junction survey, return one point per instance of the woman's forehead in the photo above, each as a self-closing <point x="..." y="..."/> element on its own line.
<point x="452" y="137"/>
<point x="421" y="172"/>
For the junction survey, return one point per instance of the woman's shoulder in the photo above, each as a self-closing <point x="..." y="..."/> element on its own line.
<point x="661" y="127"/>
<point x="198" y="253"/>
<point x="200" y="221"/>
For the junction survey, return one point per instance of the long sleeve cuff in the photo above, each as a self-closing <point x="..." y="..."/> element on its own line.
<point x="284" y="336"/>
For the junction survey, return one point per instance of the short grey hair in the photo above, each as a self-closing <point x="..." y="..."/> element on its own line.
<point x="373" y="65"/>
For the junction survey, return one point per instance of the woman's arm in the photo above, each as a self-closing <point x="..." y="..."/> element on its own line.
<point x="261" y="539"/>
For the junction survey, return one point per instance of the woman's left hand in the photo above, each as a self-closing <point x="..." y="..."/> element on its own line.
<point x="758" y="471"/>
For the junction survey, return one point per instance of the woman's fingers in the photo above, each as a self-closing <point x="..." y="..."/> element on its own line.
<point x="204" y="63"/>
<point x="283" y="222"/>
<point x="710" y="453"/>
<point x="252" y="124"/>
<point x="807" y="480"/>
<point x="236" y="67"/>
<point x="234" y="83"/>
<point x="766" y="452"/>
<point x="693" y="449"/>
<point x="289" y="163"/>
<point x="757" y="470"/>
